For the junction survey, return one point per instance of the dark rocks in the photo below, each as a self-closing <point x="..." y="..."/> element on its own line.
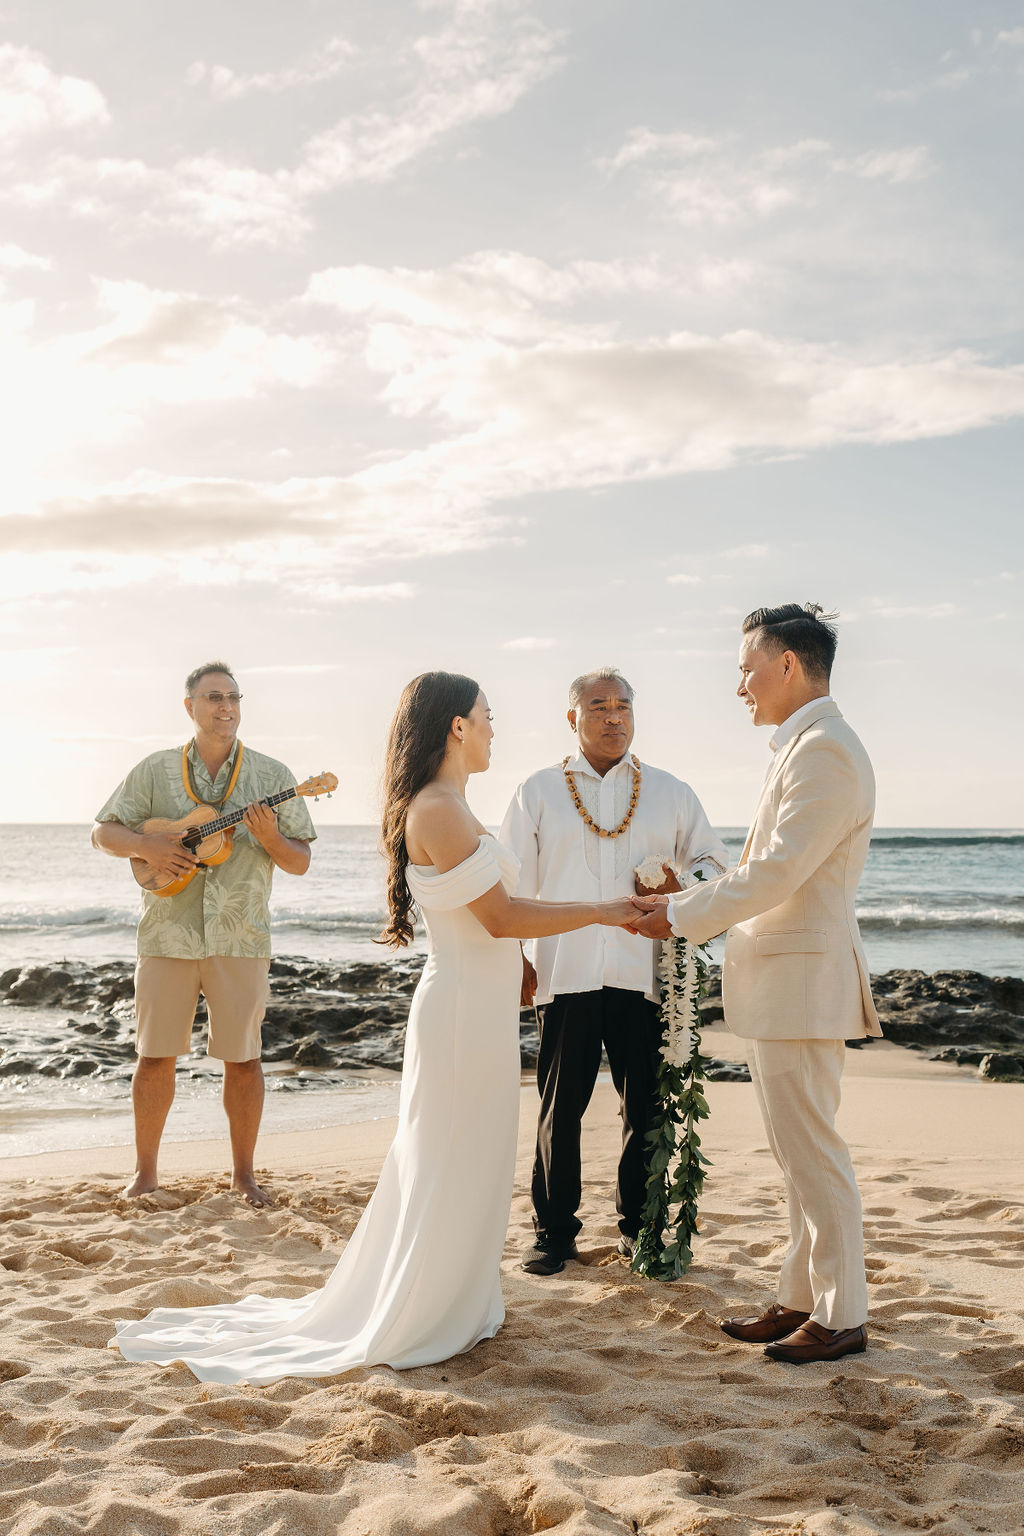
<point x="38" y="986"/>
<point x="1002" y="1067"/>
<point x="964" y="1008"/>
<point x="1008" y="992"/>
<point x="85" y="1026"/>
<point x="352" y="1016"/>
<point x="17" y="1066"/>
<point x="311" y="1052"/>
<point x="960" y="1055"/>
<point x="719" y="1071"/>
<point x="529" y="1039"/>
<point x="80" y="1066"/>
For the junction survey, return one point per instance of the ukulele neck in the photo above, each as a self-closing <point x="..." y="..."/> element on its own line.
<point x="208" y="828"/>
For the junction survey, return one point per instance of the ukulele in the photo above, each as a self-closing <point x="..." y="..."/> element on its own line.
<point x="209" y="835"/>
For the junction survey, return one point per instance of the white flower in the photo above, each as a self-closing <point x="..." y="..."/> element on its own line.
<point x="681" y="983"/>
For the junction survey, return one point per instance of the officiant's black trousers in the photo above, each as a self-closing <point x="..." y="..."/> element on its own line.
<point x="573" y="1029"/>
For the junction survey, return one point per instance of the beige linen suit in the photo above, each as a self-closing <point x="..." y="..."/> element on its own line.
<point x="796" y="985"/>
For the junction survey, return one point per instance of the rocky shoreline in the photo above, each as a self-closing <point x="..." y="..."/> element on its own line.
<point x="342" y="1018"/>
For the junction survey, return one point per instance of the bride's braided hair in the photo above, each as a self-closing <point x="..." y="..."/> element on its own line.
<point x="416" y="746"/>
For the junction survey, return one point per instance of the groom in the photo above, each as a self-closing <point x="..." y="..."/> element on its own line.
<point x="795" y="980"/>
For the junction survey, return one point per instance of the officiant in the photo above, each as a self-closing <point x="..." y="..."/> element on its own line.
<point x="580" y="828"/>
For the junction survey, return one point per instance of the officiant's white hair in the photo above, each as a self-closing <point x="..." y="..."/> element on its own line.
<point x="578" y="686"/>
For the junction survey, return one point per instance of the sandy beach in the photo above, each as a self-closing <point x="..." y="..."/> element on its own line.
<point x="605" y="1404"/>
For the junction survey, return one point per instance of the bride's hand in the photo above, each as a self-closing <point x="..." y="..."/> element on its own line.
<point x="620" y="913"/>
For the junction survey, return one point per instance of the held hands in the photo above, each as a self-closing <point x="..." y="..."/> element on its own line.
<point x="619" y="913"/>
<point x="650" y="917"/>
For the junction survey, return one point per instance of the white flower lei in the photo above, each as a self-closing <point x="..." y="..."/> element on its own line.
<point x="680" y="983"/>
<point x="675" y="1162"/>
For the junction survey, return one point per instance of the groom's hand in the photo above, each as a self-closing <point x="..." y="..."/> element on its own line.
<point x="652" y="917"/>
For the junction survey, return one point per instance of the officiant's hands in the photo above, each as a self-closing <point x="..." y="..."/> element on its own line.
<point x="665" y="888"/>
<point x="650" y="917"/>
<point x="529" y="988"/>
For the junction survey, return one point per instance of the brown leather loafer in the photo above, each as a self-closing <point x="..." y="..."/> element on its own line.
<point x="776" y="1323"/>
<point x="813" y="1342"/>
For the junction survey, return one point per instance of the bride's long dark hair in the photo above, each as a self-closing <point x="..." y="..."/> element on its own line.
<point x="417" y="742"/>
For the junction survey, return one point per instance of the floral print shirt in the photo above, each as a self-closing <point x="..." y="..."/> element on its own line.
<point x="224" y="910"/>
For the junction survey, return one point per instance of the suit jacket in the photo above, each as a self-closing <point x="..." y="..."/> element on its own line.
<point x="794" y="963"/>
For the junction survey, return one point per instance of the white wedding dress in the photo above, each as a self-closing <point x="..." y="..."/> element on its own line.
<point x="419" y="1280"/>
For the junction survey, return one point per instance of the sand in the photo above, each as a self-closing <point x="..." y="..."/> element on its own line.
<point x="605" y="1404"/>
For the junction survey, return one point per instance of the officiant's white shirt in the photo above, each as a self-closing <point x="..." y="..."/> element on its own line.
<point x="565" y="860"/>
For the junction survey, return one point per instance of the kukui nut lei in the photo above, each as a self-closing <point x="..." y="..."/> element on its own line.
<point x="578" y="803"/>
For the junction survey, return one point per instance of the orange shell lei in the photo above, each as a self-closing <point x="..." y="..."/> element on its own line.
<point x="578" y="803"/>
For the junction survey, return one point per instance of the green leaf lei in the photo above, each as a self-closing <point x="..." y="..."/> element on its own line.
<point x="675" y="1163"/>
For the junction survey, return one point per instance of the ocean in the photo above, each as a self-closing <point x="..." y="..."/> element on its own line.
<point x="930" y="899"/>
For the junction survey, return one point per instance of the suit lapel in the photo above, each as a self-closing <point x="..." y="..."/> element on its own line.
<point x="827" y="708"/>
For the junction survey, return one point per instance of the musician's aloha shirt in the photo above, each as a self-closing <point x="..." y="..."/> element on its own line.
<point x="224" y="910"/>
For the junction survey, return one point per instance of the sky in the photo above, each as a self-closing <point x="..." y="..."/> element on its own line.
<point x="513" y="337"/>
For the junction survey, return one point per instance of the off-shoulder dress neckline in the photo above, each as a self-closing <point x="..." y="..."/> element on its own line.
<point x="472" y="855"/>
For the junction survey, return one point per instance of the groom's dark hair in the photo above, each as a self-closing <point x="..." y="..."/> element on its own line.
<point x="806" y="630"/>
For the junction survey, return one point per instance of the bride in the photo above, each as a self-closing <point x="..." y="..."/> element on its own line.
<point x="419" y="1279"/>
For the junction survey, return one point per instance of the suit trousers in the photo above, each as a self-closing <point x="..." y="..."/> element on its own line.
<point x="573" y="1028"/>
<point x="797" y="1086"/>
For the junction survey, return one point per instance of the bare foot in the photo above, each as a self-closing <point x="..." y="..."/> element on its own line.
<point x="251" y="1192"/>
<point x="142" y="1184"/>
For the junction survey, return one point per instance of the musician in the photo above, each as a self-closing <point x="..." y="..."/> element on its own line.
<point x="214" y="935"/>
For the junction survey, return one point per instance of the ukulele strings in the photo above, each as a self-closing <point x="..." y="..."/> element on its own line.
<point x="201" y="833"/>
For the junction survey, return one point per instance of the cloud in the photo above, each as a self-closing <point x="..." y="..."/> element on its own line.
<point x="643" y="144"/>
<point x="700" y="180"/>
<point x="299" y="668"/>
<point x="529" y="643"/>
<point x="309" y="537"/>
<point x="224" y="84"/>
<point x="948" y="80"/>
<point x="515" y="390"/>
<point x="891" y="165"/>
<point x="746" y="552"/>
<point x="69" y="393"/>
<point x="477" y="66"/>
<point x="1013" y="37"/>
<point x="921" y="611"/>
<point x="179" y="346"/>
<point x="498" y="293"/>
<point x="206" y="197"/>
<point x="231" y="203"/>
<point x="338" y="592"/>
<point x="35" y="100"/>
<point x="149" y="514"/>
<point x="683" y="579"/>
<point x="570" y="407"/>
<point x="14" y="259"/>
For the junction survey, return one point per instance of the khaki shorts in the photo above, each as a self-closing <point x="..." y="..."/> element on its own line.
<point x="166" y="992"/>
